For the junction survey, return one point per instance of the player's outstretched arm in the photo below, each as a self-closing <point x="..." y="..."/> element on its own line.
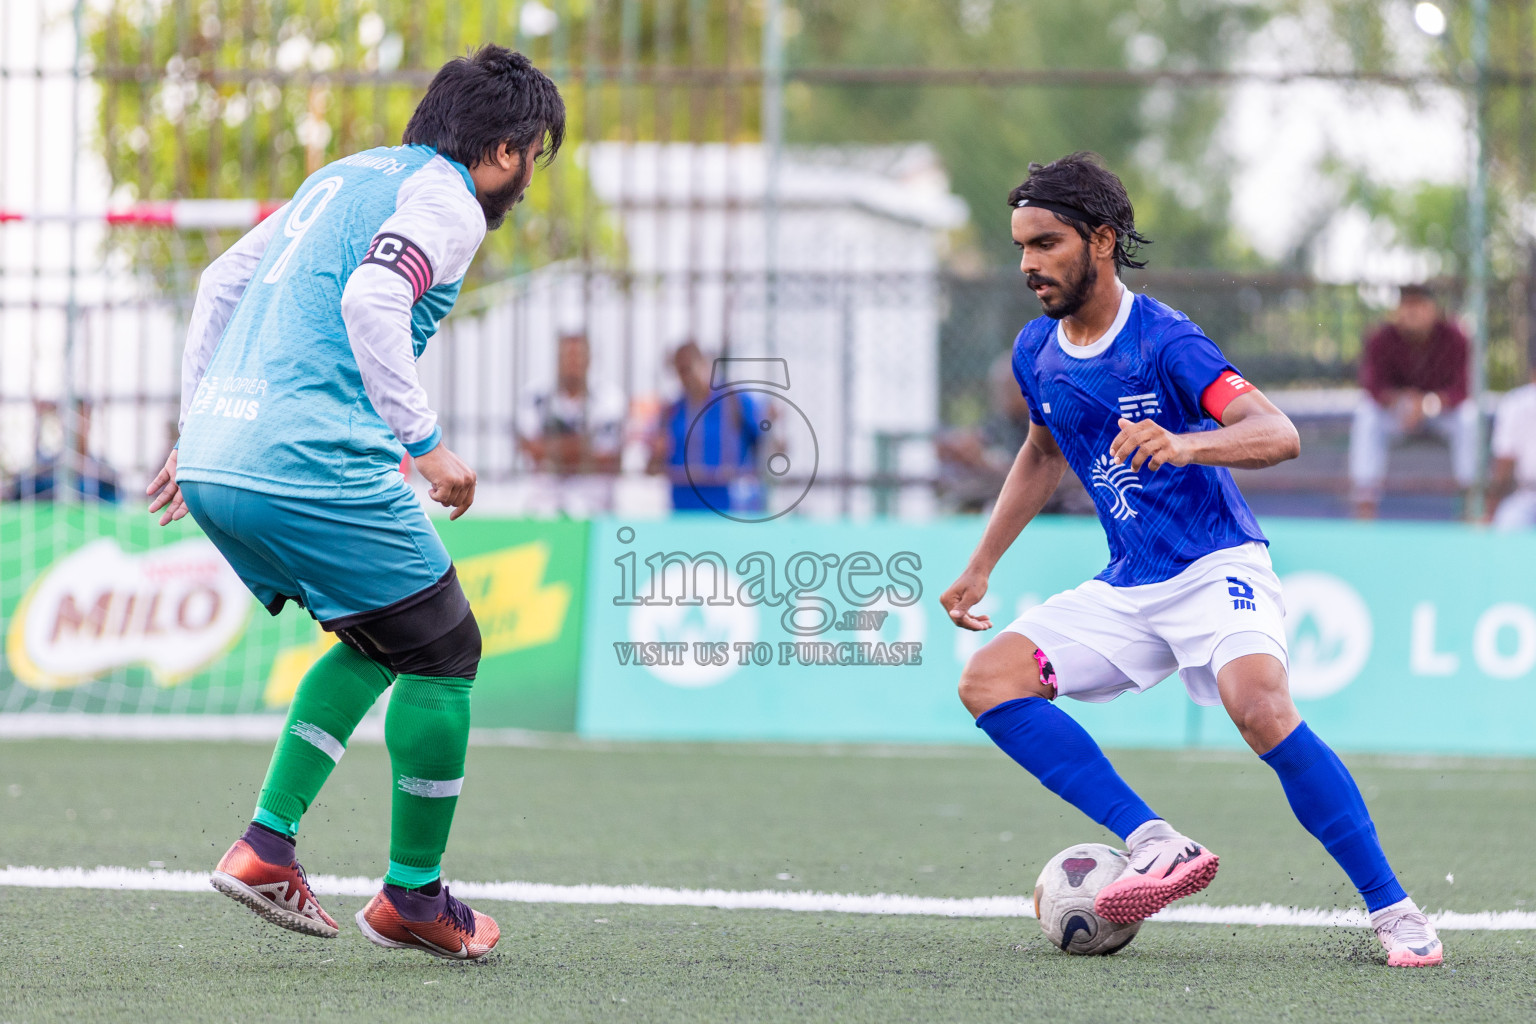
<point x="1253" y="435"/>
<point x="1035" y="473"/>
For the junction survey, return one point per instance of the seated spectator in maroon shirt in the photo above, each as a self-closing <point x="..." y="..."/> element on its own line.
<point x="1414" y="373"/>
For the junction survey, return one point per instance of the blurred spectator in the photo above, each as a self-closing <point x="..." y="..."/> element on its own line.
<point x="89" y="478"/>
<point x="717" y="467"/>
<point x="974" y="463"/>
<point x="1512" y="483"/>
<point x="1414" y="372"/>
<point x="54" y="468"/>
<point x="573" y="436"/>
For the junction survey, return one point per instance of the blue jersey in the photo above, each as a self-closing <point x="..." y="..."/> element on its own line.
<point x="714" y="454"/>
<point x="308" y="387"/>
<point x="1153" y="363"/>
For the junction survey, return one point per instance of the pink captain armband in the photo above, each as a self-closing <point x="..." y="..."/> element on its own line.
<point x="1047" y="671"/>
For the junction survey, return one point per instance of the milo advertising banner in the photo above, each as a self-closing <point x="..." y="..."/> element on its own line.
<point x="1403" y="637"/>
<point x="1413" y="638"/>
<point x="104" y="611"/>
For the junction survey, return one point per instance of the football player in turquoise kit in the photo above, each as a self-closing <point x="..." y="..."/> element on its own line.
<point x="1149" y="414"/>
<point x="299" y="400"/>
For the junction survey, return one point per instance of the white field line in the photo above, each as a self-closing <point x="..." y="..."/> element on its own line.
<point x="140" y="880"/>
<point x="266" y="728"/>
<point x="140" y="727"/>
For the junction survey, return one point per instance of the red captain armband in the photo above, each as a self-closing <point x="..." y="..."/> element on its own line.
<point x="1224" y="390"/>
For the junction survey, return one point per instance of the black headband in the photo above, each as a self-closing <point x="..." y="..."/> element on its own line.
<point x="1062" y="208"/>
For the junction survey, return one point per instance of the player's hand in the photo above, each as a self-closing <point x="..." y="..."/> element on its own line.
<point x="1411" y="410"/>
<point x="1151" y="444"/>
<point x="962" y="595"/>
<point x="453" y="483"/>
<point x="167" y="495"/>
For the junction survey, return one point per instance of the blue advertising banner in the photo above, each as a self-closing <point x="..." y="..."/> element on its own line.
<point x="1411" y="638"/>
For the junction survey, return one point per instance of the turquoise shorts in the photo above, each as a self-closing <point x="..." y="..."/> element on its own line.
<point x="338" y="558"/>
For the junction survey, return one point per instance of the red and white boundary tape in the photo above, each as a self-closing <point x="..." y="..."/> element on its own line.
<point x="183" y="214"/>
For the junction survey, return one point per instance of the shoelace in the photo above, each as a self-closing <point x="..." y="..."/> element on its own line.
<point x="1416" y="933"/>
<point x="457" y="913"/>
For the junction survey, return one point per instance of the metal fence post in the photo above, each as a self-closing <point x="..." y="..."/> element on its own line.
<point x="1477" y="230"/>
<point x="773" y="145"/>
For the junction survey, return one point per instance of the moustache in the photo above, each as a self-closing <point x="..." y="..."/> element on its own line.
<point x="1036" y="280"/>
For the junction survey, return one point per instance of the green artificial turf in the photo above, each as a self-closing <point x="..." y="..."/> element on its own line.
<point x="932" y="822"/>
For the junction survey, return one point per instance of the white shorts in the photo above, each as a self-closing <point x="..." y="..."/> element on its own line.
<point x="1104" y="640"/>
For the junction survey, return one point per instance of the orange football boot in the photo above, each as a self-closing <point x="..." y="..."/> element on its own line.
<point x="278" y="892"/>
<point x="440" y="925"/>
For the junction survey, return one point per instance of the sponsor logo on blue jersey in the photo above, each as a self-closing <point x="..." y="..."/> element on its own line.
<point x="1120" y="480"/>
<point x="1156" y="521"/>
<point x="1140" y="407"/>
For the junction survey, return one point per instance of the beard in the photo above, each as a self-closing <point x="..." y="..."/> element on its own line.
<point x="496" y="205"/>
<point x="1073" y="292"/>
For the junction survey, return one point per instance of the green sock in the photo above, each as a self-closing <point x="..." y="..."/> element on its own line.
<point x="427" y="732"/>
<point x="332" y="698"/>
<point x="408" y="877"/>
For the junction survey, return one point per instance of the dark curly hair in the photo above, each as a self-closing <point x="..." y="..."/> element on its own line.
<point x="493" y="96"/>
<point x="1082" y="181"/>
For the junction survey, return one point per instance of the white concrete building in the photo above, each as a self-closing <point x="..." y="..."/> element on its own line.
<point x="834" y="271"/>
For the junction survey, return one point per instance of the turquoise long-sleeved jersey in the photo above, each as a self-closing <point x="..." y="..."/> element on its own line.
<point x="299" y="376"/>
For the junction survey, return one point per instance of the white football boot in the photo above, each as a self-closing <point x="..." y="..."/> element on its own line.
<point x="1408" y="936"/>
<point x="1165" y="865"/>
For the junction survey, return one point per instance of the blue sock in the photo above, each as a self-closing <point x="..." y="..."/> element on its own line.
<point x="1060" y="753"/>
<point x="1328" y="804"/>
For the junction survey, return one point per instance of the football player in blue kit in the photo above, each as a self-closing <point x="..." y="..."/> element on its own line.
<point x="1150" y="415"/>
<point x="299" y="400"/>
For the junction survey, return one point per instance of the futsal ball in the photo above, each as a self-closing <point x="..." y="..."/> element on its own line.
<point x="1064" y="897"/>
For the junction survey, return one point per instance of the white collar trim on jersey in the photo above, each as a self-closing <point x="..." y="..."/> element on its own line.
<point x="1105" y="339"/>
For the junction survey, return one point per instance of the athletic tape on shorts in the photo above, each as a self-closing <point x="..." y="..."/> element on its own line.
<point x="318" y="737"/>
<point x="430" y="787"/>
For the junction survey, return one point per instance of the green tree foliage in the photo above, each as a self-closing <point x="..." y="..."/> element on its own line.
<point x="1159" y="138"/>
<point x="1428" y="217"/>
<point x="1433" y="217"/>
<point x="214" y="98"/>
<point x="245" y="98"/>
<point x="222" y="98"/>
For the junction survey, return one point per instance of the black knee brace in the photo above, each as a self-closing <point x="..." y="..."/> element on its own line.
<point x="431" y="633"/>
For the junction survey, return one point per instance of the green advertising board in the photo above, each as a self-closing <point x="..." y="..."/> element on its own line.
<point x="526" y="580"/>
<point x="1402" y="637"/>
<point x="103" y="611"/>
